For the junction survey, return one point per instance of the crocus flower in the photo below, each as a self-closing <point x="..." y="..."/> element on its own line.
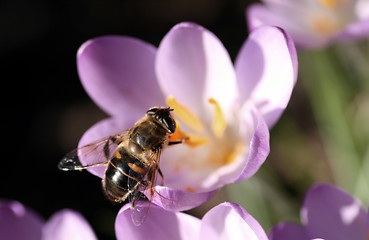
<point x="18" y="222"/>
<point x="225" y="221"/>
<point x="313" y="23"/>
<point x="328" y="213"/>
<point x="223" y="110"/>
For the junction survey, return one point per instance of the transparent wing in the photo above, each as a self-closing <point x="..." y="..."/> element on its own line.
<point x="139" y="212"/>
<point x="93" y="154"/>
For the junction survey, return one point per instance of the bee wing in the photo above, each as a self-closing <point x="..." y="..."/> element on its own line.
<point x="94" y="154"/>
<point x="139" y="212"/>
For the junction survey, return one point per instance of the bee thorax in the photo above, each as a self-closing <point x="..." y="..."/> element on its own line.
<point x="134" y="148"/>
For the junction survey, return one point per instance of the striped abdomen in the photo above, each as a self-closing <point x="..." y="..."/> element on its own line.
<point x="122" y="176"/>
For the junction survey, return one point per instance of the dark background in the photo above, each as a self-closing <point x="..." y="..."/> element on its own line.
<point x="46" y="108"/>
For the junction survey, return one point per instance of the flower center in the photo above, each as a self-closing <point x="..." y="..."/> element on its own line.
<point x="214" y="137"/>
<point x="199" y="137"/>
<point x="332" y="16"/>
<point x="212" y="144"/>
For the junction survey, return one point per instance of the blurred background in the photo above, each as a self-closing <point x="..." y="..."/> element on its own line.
<point x="47" y="110"/>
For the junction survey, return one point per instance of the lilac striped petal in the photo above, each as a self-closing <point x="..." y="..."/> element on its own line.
<point x="288" y="231"/>
<point x="179" y="200"/>
<point x="331" y="213"/>
<point x="118" y="73"/>
<point x="193" y="66"/>
<point x="159" y="224"/>
<point x="68" y="225"/>
<point x="259" y="143"/>
<point x="18" y="222"/>
<point x="230" y="221"/>
<point x="266" y="69"/>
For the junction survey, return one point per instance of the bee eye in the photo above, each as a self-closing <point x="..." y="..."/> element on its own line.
<point x="169" y="123"/>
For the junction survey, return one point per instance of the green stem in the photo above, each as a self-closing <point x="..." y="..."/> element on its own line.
<point x="328" y="91"/>
<point x="361" y="187"/>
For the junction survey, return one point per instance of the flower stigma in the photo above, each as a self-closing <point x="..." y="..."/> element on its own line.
<point x="219" y="124"/>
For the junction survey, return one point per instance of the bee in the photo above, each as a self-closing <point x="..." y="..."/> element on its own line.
<point x="133" y="167"/>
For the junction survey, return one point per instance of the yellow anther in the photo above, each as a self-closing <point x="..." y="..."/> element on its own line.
<point x="219" y="125"/>
<point x="334" y="4"/>
<point x="185" y="114"/>
<point x="190" y="139"/>
<point x="194" y="140"/>
<point x="329" y="3"/>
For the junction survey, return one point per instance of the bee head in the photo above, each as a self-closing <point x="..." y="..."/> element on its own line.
<point x="163" y="116"/>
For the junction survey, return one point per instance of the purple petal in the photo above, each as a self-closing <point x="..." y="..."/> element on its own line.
<point x="259" y="15"/>
<point x="67" y="225"/>
<point x="356" y="30"/>
<point x="179" y="200"/>
<point x="259" y="144"/>
<point x="266" y="69"/>
<point x="288" y="231"/>
<point x="159" y="224"/>
<point x="118" y="73"/>
<point x="289" y="17"/>
<point x="102" y="129"/>
<point x="18" y="222"/>
<point x="230" y="221"/>
<point x="331" y="213"/>
<point x="193" y="65"/>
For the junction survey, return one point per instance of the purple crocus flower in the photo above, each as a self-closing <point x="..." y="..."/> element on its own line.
<point x="313" y="23"/>
<point x="225" y="221"/>
<point x="18" y="222"/>
<point x="328" y="213"/>
<point x="223" y="109"/>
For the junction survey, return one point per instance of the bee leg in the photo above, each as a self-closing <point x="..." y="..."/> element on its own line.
<point x="106" y="146"/>
<point x="178" y="142"/>
<point x="162" y="176"/>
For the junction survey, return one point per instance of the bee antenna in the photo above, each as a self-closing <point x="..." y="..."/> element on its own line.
<point x="170" y="109"/>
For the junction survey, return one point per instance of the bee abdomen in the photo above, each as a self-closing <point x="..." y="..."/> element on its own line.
<point x="122" y="176"/>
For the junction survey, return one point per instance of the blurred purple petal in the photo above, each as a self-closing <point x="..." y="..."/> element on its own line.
<point x="67" y="225"/>
<point x="356" y="30"/>
<point x="266" y="70"/>
<point x="159" y="224"/>
<point x="193" y="65"/>
<point x="331" y="213"/>
<point x="118" y="73"/>
<point x="288" y="231"/>
<point x="311" y="23"/>
<point x="259" y="15"/>
<point x="179" y="200"/>
<point x="230" y="221"/>
<point x="102" y="129"/>
<point x="18" y="222"/>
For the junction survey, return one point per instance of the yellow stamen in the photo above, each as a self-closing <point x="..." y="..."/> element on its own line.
<point x="190" y="139"/>
<point x="185" y="114"/>
<point x="329" y="3"/>
<point x="194" y="140"/>
<point x="219" y="124"/>
<point x="333" y="4"/>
